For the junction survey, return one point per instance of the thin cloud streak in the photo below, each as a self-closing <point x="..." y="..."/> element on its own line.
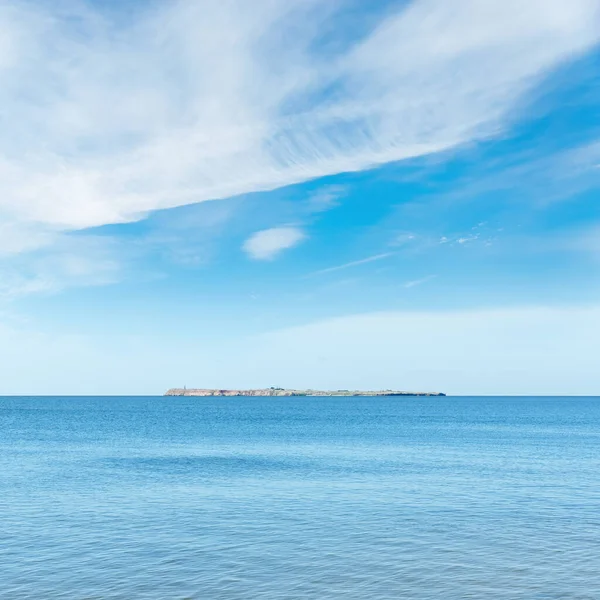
<point x="416" y="282"/>
<point x="354" y="263"/>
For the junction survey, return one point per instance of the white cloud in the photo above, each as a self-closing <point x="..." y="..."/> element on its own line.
<point x="416" y="282"/>
<point x="266" y="244"/>
<point x="466" y="240"/>
<point x="22" y="237"/>
<point x="73" y="261"/>
<point x="326" y="198"/>
<point x="354" y="263"/>
<point x="404" y="238"/>
<point x="193" y="100"/>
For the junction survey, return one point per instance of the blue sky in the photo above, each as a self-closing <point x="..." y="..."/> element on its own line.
<point x="344" y="194"/>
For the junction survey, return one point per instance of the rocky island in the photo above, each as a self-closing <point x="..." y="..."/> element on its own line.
<point x="286" y="392"/>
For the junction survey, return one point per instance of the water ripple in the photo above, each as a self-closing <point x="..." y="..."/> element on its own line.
<point x="382" y="499"/>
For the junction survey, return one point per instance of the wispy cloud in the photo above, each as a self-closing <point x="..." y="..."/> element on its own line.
<point x="73" y="261"/>
<point x="266" y="244"/>
<point x="326" y="198"/>
<point x="404" y="238"/>
<point x="194" y="100"/>
<point x="354" y="263"/>
<point x="468" y="239"/>
<point x="416" y="282"/>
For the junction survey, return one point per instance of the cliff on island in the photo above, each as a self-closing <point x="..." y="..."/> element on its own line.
<point x="284" y="392"/>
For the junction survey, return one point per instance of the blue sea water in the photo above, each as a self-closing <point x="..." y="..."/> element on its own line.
<point x="316" y="498"/>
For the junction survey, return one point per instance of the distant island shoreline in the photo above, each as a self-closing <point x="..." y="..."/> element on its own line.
<point x="282" y="392"/>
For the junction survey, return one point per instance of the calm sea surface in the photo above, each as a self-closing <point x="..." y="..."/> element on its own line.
<point x="255" y="498"/>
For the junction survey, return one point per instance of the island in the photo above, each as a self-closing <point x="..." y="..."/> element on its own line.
<point x="275" y="391"/>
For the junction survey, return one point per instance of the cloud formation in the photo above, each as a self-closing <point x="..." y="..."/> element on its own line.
<point x="325" y="198"/>
<point x="109" y="116"/>
<point x="266" y="244"/>
<point x="71" y="261"/>
<point x="416" y="282"/>
<point x="354" y="263"/>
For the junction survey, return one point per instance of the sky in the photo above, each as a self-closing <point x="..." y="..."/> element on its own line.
<point x="384" y="195"/>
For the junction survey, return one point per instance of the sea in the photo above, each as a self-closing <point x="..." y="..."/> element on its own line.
<point x="299" y="498"/>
